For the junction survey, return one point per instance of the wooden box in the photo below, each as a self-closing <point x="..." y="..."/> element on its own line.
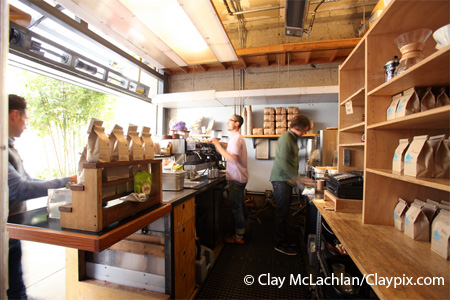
<point x="344" y="205"/>
<point x="90" y="210"/>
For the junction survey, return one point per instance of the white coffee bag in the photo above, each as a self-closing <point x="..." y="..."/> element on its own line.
<point x="408" y="104"/>
<point x="399" y="154"/>
<point x="98" y="143"/>
<point x="417" y="225"/>
<point x="136" y="151"/>
<point x="399" y="214"/>
<point x="440" y="234"/>
<point x="118" y="145"/>
<point x="419" y="160"/>
<point x="393" y="106"/>
<point x="147" y="143"/>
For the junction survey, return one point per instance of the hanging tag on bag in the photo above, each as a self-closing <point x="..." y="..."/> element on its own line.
<point x="349" y="107"/>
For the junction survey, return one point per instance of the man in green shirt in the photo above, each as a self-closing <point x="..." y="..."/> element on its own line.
<point x="284" y="177"/>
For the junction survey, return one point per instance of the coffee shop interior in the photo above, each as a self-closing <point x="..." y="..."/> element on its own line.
<point x="149" y="84"/>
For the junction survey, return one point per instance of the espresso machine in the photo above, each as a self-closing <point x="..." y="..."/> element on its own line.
<point x="201" y="156"/>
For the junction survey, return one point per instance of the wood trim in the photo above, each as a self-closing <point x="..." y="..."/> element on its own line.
<point x="84" y="241"/>
<point x="299" y="47"/>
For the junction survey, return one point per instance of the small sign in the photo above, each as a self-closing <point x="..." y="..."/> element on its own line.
<point x="349" y="107"/>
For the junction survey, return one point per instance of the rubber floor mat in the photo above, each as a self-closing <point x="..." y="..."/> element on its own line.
<point x="258" y="261"/>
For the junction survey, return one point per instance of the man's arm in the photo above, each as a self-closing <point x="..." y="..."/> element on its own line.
<point x="219" y="148"/>
<point x="21" y="189"/>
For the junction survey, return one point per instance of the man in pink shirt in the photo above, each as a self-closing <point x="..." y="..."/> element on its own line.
<point x="237" y="176"/>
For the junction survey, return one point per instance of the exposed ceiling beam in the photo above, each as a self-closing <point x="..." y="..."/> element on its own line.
<point x="299" y="47"/>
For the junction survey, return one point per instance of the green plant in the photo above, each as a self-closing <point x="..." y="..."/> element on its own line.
<point x="62" y="111"/>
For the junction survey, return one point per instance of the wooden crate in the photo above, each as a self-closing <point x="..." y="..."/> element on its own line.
<point x="344" y="205"/>
<point x="88" y="211"/>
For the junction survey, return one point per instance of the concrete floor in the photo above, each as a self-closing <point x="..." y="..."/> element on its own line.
<point x="44" y="271"/>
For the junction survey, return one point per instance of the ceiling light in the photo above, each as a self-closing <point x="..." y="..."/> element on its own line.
<point x="181" y="26"/>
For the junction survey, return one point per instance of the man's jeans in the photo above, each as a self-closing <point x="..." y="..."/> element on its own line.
<point x="236" y="191"/>
<point x="17" y="288"/>
<point x="282" y="194"/>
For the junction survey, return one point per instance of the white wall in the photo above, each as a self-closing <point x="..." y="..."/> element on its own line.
<point x="323" y="114"/>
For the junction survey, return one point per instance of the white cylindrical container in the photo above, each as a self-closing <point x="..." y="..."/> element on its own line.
<point x="249" y="120"/>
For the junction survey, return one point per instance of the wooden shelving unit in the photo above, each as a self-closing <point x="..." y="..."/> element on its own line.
<point x="88" y="211"/>
<point x="361" y="82"/>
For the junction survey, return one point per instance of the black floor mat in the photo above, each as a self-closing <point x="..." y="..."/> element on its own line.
<point x="257" y="258"/>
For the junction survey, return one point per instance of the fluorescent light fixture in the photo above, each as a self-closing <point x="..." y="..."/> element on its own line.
<point x="204" y="16"/>
<point x="191" y="29"/>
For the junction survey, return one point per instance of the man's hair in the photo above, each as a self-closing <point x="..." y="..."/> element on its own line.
<point x="300" y="122"/>
<point x="17" y="103"/>
<point x="239" y="119"/>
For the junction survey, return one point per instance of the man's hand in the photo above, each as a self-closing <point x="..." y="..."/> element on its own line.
<point x="73" y="178"/>
<point x="306" y="181"/>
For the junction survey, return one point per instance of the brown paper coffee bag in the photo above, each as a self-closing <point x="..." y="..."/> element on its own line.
<point x="118" y="145"/>
<point x="441" y="97"/>
<point x="270" y="131"/>
<point x="280" y="130"/>
<point x="136" y="151"/>
<point x="430" y="211"/>
<point x="269" y="110"/>
<point x="269" y="125"/>
<point x="293" y="110"/>
<point x="417" y="225"/>
<point x="419" y="160"/>
<point x="408" y="104"/>
<point x="269" y="118"/>
<point x="290" y="117"/>
<point x="282" y="124"/>
<point x="399" y="155"/>
<point x="147" y="142"/>
<point x="440" y="234"/>
<point x="280" y="111"/>
<point x="427" y="99"/>
<point x="442" y="160"/>
<point x="281" y="118"/>
<point x="83" y="160"/>
<point x="98" y="143"/>
<point x="399" y="214"/>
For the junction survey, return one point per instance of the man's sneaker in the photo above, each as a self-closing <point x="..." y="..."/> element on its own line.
<point x="234" y="240"/>
<point x="285" y="249"/>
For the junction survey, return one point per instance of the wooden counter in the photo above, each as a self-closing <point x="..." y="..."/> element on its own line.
<point x="35" y="226"/>
<point x="384" y="251"/>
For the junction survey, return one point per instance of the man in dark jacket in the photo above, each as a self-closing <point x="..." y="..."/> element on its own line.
<point x="284" y="177"/>
<point x="21" y="188"/>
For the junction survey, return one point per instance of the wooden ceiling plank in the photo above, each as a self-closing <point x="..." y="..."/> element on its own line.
<point x="308" y="56"/>
<point x="308" y="46"/>
<point x="202" y="68"/>
<point x="333" y="55"/>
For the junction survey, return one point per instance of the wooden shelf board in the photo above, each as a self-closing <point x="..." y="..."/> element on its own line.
<point x="274" y="136"/>
<point x="352" y="145"/>
<point x="357" y="55"/>
<point x="387" y="252"/>
<point x="354" y="128"/>
<point x="428" y="72"/>
<point x="84" y="240"/>
<point x="435" y="183"/>
<point x="435" y="118"/>
<point x="357" y="98"/>
<point x="99" y="165"/>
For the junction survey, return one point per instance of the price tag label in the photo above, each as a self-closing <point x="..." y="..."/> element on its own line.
<point x="349" y="107"/>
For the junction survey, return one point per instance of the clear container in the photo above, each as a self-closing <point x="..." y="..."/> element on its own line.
<point x="411" y="45"/>
<point x="56" y="198"/>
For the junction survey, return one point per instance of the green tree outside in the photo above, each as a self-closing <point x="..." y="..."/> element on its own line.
<point x="62" y="111"/>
